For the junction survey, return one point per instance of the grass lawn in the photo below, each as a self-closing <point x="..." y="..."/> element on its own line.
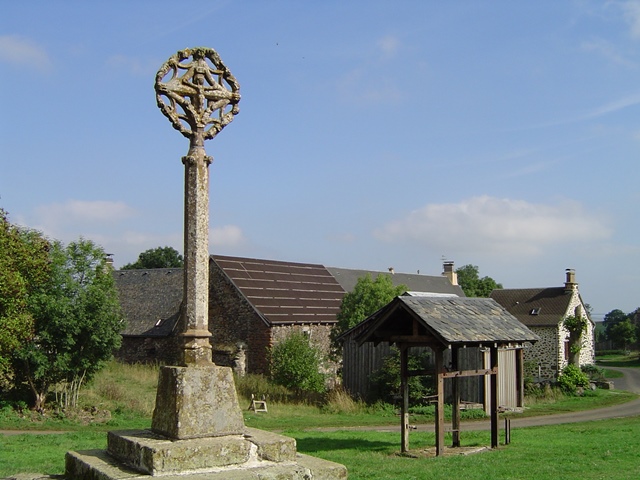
<point x="631" y="360"/>
<point x="592" y="450"/>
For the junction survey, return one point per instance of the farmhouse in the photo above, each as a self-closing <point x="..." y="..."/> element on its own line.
<point x="543" y="310"/>
<point x="253" y="304"/>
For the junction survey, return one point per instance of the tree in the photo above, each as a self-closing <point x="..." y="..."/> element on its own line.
<point x="623" y="333"/>
<point x="159" y="257"/>
<point x="24" y="266"/>
<point x="77" y="323"/>
<point x="471" y="283"/>
<point x="295" y="364"/>
<point x="367" y="297"/>
<point x="612" y="318"/>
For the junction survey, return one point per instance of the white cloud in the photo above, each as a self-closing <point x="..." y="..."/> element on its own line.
<point x="226" y="236"/>
<point x="24" y="52"/>
<point x="131" y="65"/>
<point x="75" y="211"/>
<point x="608" y="51"/>
<point x="632" y="16"/>
<point x="389" y="46"/>
<point x="493" y="225"/>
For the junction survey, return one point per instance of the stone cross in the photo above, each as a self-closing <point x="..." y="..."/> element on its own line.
<point x="200" y="96"/>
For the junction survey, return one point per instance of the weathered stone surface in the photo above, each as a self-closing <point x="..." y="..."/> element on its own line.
<point x="196" y="401"/>
<point x="97" y="465"/>
<point x="156" y="455"/>
<point x="271" y="446"/>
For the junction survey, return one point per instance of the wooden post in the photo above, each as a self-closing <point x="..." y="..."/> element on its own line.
<point x="440" y="403"/>
<point x="404" y="414"/>
<point x="520" y="376"/>
<point x="494" y="397"/>
<point x="455" y="420"/>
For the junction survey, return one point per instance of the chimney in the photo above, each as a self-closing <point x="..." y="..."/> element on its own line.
<point x="570" y="284"/>
<point x="108" y="262"/>
<point x="447" y="271"/>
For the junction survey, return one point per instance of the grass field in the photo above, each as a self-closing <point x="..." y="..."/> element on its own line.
<point x="605" y="449"/>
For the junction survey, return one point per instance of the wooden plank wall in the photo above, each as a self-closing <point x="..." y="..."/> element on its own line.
<point x="360" y="362"/>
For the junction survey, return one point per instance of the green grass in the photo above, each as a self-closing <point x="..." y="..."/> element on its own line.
<point x="592" y="450"/>
<point x="631" y="360"/>
<point x="575" y="451"/>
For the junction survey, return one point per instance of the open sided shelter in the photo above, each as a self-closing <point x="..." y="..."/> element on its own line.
<point x="449" y="323"/>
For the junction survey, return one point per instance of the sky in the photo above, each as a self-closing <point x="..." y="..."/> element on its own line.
<point x="371" y="134"/>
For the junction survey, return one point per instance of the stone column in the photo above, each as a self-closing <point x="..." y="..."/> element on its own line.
<point x="196" y="346"/>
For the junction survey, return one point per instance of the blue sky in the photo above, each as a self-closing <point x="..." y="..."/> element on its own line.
<point x="371" y="134"/>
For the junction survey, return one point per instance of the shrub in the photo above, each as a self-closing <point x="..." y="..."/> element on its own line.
<point x="572" y="378"/>
<point x="594" y="372"/>
<point x="295" y="364"/>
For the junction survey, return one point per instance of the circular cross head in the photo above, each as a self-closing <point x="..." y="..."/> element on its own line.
<point x="197" y="93"/>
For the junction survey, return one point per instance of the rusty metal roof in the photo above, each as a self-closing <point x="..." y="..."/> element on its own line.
<point x="285" y="292"/>
<point x="447" y="321"/>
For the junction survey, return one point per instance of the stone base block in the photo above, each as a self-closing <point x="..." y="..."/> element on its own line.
<point x="156" y="455"/>
<point x="100" y="465"/>
<point x="196" y="401"/>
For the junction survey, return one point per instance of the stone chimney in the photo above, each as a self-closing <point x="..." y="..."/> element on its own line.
<point x="449" y="272"/>
<point x="570" y="284"/>
<point x="108" y="262"/>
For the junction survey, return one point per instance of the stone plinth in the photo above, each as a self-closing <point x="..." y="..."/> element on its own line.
<point x="196" y="401"/>
<point x="137" y="455"/>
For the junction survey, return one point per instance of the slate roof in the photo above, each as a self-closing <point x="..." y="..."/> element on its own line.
<point x="150" y="300"/>
<point x="535" y="307"/>
<point x="450" y="321"/>
<point x="285" y="292"/>
<point x="414" y="282"/>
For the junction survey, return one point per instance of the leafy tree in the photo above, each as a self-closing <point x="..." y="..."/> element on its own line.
<point x="613" y="318"/>
<point x="159" y="257"/>
<point x="295" y="364"/>
<point x="24" y="265"/>
<point x="623" y="333"/>
<point x="77" y="323"/>
<point x="471" y="283"/>
<point x="367" y="297"/>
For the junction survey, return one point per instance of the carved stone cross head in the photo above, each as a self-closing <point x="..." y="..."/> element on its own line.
<point x="197" y="93"/>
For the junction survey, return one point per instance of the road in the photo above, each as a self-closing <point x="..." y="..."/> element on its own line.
<point x="630" y="382"/>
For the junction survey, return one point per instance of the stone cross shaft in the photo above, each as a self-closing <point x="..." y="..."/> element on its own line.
<point x="199" y="96"/>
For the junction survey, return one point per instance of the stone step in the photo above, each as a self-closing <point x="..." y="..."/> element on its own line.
<point x="99" y="465"/>
<point x="154" y="454"/>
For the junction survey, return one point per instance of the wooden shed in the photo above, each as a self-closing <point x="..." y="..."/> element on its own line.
<point x="447" y="324"/>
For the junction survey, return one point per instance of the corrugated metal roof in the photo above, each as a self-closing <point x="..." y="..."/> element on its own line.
<point x="285" y="292"/>
<point x="535" y="307"/>
<point x="450" y="321"/>
<point x="150" y="300"/>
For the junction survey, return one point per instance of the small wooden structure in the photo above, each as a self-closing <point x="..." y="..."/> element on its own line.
<point x="441" y="324"/>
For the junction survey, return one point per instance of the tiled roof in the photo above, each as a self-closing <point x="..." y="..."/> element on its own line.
<point x="285" y="292"/>
<point x="150" y="300"/>
<point x="414" y="282"/>
<point x="451" y="321"/>
<point x="535" y="307"/>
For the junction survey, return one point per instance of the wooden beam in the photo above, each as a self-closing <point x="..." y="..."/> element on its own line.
<point x="470" y="373"/>
<point x="404" y="414"/>
<point x="440" y="403"/>
<point x="494" y="397"/>
<point x="520" y="377"/>
<point x="455" y="420"/>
